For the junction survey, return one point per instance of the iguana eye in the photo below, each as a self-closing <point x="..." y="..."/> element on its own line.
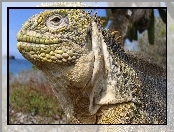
<point x="56" y="21"/>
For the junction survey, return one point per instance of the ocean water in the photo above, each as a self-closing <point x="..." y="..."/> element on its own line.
<point x="18" y="65"/>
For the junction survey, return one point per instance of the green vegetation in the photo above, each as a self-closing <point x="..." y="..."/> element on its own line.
<point x="163" y="32"/>
<point x="39" y="100"/>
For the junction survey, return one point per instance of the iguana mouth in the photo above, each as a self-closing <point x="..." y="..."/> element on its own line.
<point x="37" y="40"/>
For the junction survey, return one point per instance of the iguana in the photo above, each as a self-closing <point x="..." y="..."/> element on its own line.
<point x="94" y="79"/>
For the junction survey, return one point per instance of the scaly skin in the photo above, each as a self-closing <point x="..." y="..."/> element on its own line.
<point x="94" y="81"/>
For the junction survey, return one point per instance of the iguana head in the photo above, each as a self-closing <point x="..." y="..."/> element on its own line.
<point x="55" y="36"/>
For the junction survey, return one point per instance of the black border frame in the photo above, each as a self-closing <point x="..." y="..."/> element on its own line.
<point x="8" y="8"/>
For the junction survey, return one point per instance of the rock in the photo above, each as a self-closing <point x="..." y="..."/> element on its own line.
<point x="18" y="115"/>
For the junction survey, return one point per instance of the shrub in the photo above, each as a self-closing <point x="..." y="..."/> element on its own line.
<point x="33" y="97"/>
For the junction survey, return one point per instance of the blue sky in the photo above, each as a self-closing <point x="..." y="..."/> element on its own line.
<point x="18" y="16"/>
